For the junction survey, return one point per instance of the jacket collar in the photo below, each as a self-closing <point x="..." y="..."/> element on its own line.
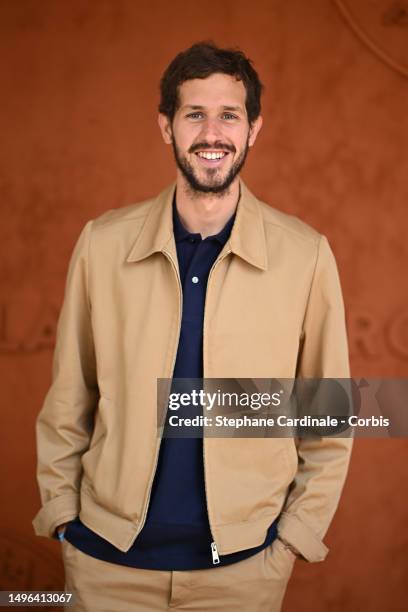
<point x="247" y="239"/>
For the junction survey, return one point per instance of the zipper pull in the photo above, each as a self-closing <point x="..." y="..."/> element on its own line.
<point x="214" y="552"/>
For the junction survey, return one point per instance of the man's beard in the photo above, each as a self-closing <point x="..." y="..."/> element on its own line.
<point x="213" y="184"/>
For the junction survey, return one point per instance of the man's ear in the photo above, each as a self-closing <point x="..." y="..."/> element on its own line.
<point x="165" y="128"/>
<point x="254" y="129"/>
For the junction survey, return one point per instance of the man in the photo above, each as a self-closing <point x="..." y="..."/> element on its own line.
<point x="202" y="281"/>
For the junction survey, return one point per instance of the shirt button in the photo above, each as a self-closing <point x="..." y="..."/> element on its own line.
<point x="195" y="279"/>
<point x="192" y="239"/>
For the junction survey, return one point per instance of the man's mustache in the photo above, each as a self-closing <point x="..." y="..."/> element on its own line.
<point x="217" y="145"/>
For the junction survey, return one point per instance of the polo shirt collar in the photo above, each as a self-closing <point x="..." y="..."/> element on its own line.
<point x="182" y="233"/>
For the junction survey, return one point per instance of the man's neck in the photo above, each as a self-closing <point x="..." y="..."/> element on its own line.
<point x="206" y="213"/>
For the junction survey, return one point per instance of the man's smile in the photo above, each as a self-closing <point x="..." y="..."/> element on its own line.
<point x="211" y="158"/>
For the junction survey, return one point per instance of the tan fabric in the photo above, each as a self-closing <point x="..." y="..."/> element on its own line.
<point x="273" y="309"/>
<point x="256" y="584"/>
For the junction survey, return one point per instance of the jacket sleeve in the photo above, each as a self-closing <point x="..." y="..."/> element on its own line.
<point x="64" y="424"/>
<point x="322" y="462"/>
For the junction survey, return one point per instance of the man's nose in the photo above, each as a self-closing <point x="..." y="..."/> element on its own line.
<point x="211" y="131"/>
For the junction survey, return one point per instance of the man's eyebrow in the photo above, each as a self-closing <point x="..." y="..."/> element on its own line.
<point x="200" y="107"/>
<point x="232" y="108"/>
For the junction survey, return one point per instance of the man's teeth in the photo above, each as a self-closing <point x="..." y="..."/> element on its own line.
<point x="211" y="155"/>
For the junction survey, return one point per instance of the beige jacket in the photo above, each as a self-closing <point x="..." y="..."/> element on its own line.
<point x="273" y="309"/>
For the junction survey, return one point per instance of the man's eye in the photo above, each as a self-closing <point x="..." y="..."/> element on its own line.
<point x="194" y="115"/>
<point x="229" y="116"/>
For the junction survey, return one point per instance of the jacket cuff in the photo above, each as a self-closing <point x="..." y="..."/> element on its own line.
<point x="56" y="511"/>
<point x="301" y="537"/>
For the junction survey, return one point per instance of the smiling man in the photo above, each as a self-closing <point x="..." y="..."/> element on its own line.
<point x="212" y="139"/>
<point x="211" y="132"/>
<point x="184" y="286"/>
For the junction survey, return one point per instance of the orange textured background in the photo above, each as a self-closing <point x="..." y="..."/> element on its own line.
<point x="79" y="82"/>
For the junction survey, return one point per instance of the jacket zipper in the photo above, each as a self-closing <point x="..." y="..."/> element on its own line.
<point x="214" y="549"/>
<point x="144" y="514"/>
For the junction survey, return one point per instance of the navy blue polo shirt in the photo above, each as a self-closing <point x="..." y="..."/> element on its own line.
<point x="176" y="534"/>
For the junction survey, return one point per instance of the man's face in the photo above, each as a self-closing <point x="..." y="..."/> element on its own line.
<point x="210" y="132"/>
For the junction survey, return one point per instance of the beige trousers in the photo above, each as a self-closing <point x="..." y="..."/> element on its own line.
<point x="256" y="584"/>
